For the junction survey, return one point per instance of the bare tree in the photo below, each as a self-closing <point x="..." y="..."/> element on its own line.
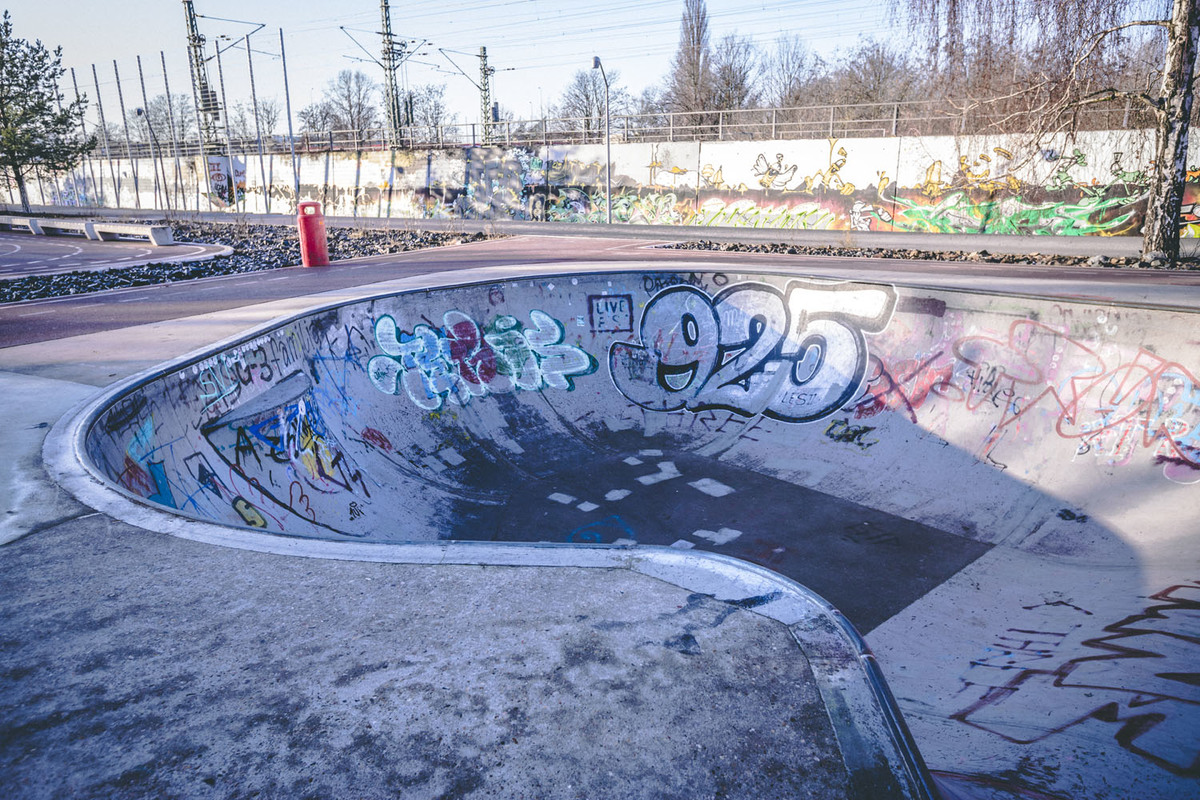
<point x="582" y="102"/>
<point x="1074" y="55"/>
<point x="689" y="84"/>
<point x="181" y="113"/>
<point x="270" y="112"/>
<point x="241" y="118"/>
<point x="350" y="104"/>
<point x="873" y="72"/>
<point x="428" y="105"/>
<point x="1172" y="107"/>
<point x="735" y="64"/>
<point x="317" y="117"/>
<point x="786" y="72"/>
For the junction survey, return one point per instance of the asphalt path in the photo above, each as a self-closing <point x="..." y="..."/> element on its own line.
<point x="23" y="254"/>
<point x="56" y="318"/>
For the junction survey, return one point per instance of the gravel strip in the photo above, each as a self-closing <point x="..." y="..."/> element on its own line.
<point x="263" y="247"/>
<point x="979" y="256"/>
<point x="255" y="248"/>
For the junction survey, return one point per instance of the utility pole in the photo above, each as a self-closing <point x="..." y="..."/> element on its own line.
<point x="207" y="106"/>
<point x="487" y="111"/>
<point x="485" y="95"/>
<point x="393" y="56"/>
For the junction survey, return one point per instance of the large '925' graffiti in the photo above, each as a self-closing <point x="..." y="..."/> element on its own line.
<point x="796" y="356"/>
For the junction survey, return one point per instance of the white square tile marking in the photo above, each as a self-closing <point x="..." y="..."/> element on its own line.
<point x="650" y="453"/>
<point x="633" y="462"/>
<point x="666" y="471"/>
<point x="559" y="497"/>
<point x="617" y="494"/>
<point x="586" y="506"/>
<point x="711" y="487"/>
<point x="723" y="536"/>
<point x="451" y="456"/>
<point x="682" y="545"/>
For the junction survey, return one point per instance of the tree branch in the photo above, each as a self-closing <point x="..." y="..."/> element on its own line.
<point x="1100" y="35"/>
<point x="1106" y="95"/>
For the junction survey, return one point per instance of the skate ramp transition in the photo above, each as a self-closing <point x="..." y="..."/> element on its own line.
<point x="876" y="443"/>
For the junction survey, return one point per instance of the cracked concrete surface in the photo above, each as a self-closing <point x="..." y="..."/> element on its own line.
<point x="142" y="665"/>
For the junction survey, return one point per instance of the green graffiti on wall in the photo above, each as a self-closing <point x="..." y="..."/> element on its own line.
<point x="981" y="196"/>
<point x="958" y="212"/>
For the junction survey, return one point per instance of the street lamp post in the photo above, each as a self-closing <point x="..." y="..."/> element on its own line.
<point x="607" y="140"/>
<point x="154" y="163"/>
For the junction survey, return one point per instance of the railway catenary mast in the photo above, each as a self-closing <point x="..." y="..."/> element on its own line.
<point x="207" y="106"/>
<point x="487" y="112"/>
<point x="393" y="55"/>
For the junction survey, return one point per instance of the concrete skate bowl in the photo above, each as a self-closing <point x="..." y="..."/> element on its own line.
<point x="889" y="447"/>
<point x="824" y="430"/>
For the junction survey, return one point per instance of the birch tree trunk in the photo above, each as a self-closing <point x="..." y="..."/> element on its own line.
<point x="1160" y="235"/>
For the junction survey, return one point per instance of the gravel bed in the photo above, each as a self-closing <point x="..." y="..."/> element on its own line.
<point x="979" y="256"/>
<point x="263" y="247"/>
<point x="255" y="248"/>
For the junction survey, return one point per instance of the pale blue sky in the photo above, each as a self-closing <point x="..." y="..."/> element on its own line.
<point x="535" y="45"/>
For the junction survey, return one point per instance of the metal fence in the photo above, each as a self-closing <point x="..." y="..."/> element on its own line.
<point x="917" y="118"/>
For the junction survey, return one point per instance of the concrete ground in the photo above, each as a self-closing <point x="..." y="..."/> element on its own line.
<point x="23" y="254"/>
<point x="141" y="665"/>
<point x="144" y="665"/>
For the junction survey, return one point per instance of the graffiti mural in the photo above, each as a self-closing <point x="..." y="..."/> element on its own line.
<point x="1095" y="183"/>
<point x="1140" y="677"/>
<point x="1109" y="407"/>
<point x="461" y="361"/>
<point x="796" y="355"/>
<point x="293" y="427"/>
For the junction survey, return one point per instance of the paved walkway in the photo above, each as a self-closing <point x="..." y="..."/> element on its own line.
<point x="23" y="254"/>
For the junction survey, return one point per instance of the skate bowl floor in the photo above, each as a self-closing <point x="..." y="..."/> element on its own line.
<point x="998" y="490"/>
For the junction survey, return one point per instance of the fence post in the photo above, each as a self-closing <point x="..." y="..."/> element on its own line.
<point x="671" y="126"/>
<point x="895" y="118"/>
<point x="774" y="118"/>
<point x="831" y="110"/>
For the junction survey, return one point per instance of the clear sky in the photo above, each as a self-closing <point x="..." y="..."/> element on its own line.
<point x="535" y="45"/>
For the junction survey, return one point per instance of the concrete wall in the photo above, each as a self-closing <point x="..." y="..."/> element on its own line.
<point x="1054" y="418"/>
<point x="1092" y="184"/>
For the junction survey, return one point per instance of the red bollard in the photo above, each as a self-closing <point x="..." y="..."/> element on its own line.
<point x="314" y="248"/>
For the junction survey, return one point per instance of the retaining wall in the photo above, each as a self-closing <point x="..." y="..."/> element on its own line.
<point x="1094" y="183"/>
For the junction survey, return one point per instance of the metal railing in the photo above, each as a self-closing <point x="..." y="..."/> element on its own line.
<point x="866" y="120"/>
